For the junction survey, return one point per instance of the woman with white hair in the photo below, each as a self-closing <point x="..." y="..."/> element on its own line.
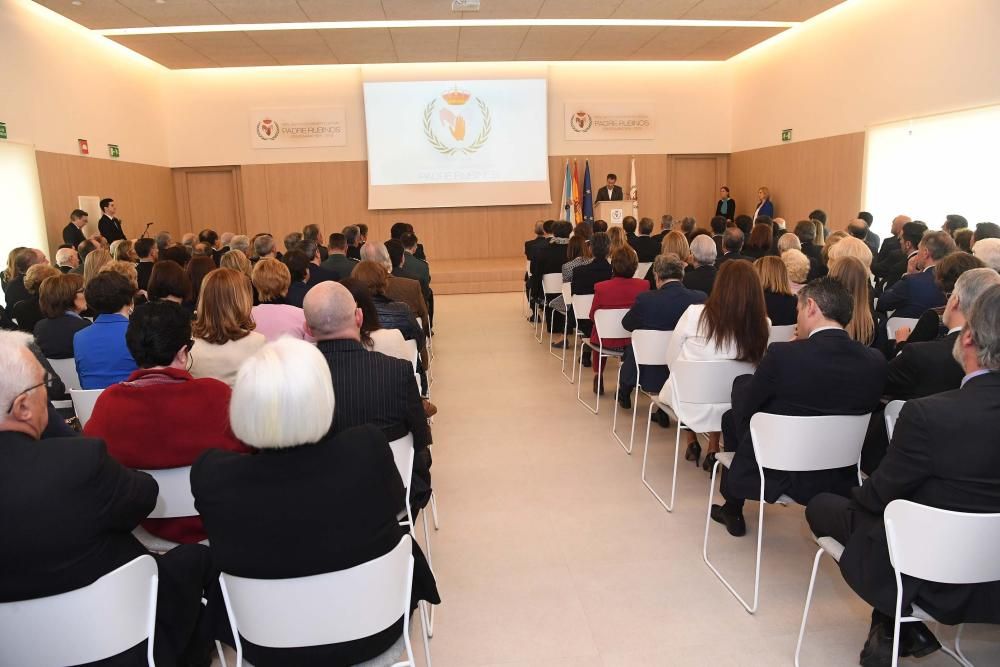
<point x="798" y="265"/>
<point x="701" y="274"/>
<point x="309" y="502"/>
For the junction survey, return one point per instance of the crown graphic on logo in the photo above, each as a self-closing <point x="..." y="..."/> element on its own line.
<point x="456" y="97"/>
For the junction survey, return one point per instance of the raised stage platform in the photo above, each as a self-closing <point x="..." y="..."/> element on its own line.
<point x="473" y="276"/>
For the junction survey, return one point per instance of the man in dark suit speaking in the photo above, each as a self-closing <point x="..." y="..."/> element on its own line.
<point x="610" y="193"/>
<point x="110" y="226"/>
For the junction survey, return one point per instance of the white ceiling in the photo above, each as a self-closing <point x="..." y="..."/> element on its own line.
<point x="385" y="45"/>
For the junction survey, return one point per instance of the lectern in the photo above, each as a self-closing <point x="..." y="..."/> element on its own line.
<point x="612" y="212"/>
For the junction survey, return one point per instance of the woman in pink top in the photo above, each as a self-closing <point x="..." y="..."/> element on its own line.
<point x="273" y="316"/>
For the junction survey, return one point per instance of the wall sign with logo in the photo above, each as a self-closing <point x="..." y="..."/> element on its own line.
<point x="114" y="152"/>
<point x="3" y="130"/>
<point x="298" y="128"/>
<point x="786" y="135"/>
<point x="608" y="121"/>
<point x="83" y="146"/>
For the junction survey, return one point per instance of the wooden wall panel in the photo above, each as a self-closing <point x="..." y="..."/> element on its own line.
<point x="143" y="193"/>
<point x="821" y="173"/>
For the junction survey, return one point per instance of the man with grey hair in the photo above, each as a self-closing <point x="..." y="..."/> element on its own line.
<point x="371" y="388"/>
<point x="263" y="246"/>
<point x="96" y="502"/>
<point x="732" y="244"/>
<point x="163" y="240"/>
<point x="666" y="223"/>
<point x="67" y="259"/>
<point x="317" y="274"/>
<point x="789" y="242"/>
<point x="988" y="250"/>
<point x="659" y="310"/>
<point x="398" y="288"/>
<point x="292" y="241"/>
<point x="943" y="454"/>
<point x="917" y="291"/>
<point x="643" y="243"/>
<point x="188" y="241"/>
<point x="240" y="242"/>
<point x="352" y="233"/>
<point x="701" y="276"/>
<point x="225" y="240"/>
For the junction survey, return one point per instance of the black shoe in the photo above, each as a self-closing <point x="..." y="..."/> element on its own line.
<point x="732" y="518"/>
<point x="916" y="640"/>
<point x="693" y="453"/>
<point x="661" y="418"/>
<point x="625" y="400"/>
<point x="598" y="385"/>
<point x="586" y="360"/>
<point x="709" y="462"/>
<point x="559" y="345"/>
<point x="877" y="651"/>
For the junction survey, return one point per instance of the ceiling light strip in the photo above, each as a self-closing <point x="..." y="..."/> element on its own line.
<point x="444" y="23"/>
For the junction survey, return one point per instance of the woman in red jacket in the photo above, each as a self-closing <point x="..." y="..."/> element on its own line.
<point x="619" y="292"/>
<point x="161" y="417"/>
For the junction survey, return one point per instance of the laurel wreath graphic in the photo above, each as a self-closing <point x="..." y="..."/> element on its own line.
<point x="443" y="148"/>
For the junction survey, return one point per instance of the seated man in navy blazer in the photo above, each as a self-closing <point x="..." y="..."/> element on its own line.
<point x="657" y="309"/>
<point x="917" y="291"/>
<point x="823" y="372"/>
<point x="645" y="245"/>
<point x="611" y="192"/>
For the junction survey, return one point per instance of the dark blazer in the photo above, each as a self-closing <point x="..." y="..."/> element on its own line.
<point x="28" y="313"/>
<point x="111" y="229"/>
<point x="532" y="246"/>
<point x="416" y="269"/>
<point x="730" y="212"/>
<point x="54" y="336"/>
<point x="923" y="369"/>
<point x="547" y="260"/>
<point x="782" y="309"/>
<point x="318" y="274"/>
<point x="72" y="235"/>
<point x="892" y="269"/>
<point x="303" y="511"/>
<point x="586" y="276"/>
<point x="730" y="256"/>
<point x="646" y="248"/>
<point x="398" y="315"/>
<point x="871" y="240"/>
<point x="700" y="278"/>
<point x="943" y="454"/>
<point x="602" y="195"/>
<point x="354" y="252"/>
<point x="912" y="295"/>
<point x="766" y="208"/>
<point x="817" y="268"/>
<point x="143" y="271"/>
<point x="339" y="265"/>
<point x="826" y="374"/>
<point x="889" y="246"/>
<point x="14" y="293"/>
<point x="296" y="293"/>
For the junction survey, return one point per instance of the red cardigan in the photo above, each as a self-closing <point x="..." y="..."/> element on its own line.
<point x="164" y="418"/>
<point x="611" y="294"/>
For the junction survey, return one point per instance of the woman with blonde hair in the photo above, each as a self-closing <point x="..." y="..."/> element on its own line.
<point x="675" y="242"/>
<point x="123" y="250"/>
<point x="223" y="330"/>
<point x="274" y="317"/>
<point x="853" y="274"/>
<point x="28" y="312"/>
<point x="782" y="306"/>
<point x="10" y="272"/>
<point x="618" y="239"/>
<point x="124" y="268"/>
<point x="851" y="247"/>
<point x="764" y="205"/>
<point x="95" y="260"/>
<point x="237" y="260"/>
<point x="832" y="240"/>
<point x="821" y="237"/>
<point x="797" y="265"/>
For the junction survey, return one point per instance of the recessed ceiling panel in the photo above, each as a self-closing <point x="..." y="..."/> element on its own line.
<point x="490" y="44"/>
<point x="176" y="12"/>
<point x="360" y="46"/>
<point x="577" y="9"/>
<point x="554" y="43"/>
<point x="427" y="45"/>
<point x="795" y="10"/>
<point x="229" y="49"/>
<point x="166" y="50"/>
<point x="262" y="11"/>
<point x="653" y="9"/>
<point x="97" y="14"/>
<point x="340" y="10"/>
<point x="294" y="47"/>
<point x="616" y="43"/>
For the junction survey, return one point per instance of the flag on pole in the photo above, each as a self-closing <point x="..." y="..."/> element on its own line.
<point x="567" y="195"/>
<point x="588" y="200"/>
<point x="577" y="201"/>
<point x="633" y="191"/>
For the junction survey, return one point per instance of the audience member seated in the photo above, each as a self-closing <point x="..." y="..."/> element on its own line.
<point x="578" y="253"/>
<point x="67" y="259"/>
<point x="850" y="246"/>
<point x="352" y="234"/>
<point x="986" y="230"/>
<point x="175" y="253"/>
<point x="122" y="251"/>
<point x="760" y="242"/>
<point x="299" y="268"/>
<point x="963" y="239"/>
<point x="891" y="267"/>
<point x="397" y="231"/>
<point x="372" y="388"/>
<point x="263" y="246"/>
<point x="785" y="383"/>
<point x="102" y="358"/>
<point x="870" y="238"/>
<point x="61" y="300"/>
<point x="586" y="276"/>
<point x="27" y="312"/>
<point x="854" y="276"/>
<point x="831" y="241"/>
<point x="778" y="298"/>
<point x="954" y="222"/>
<point x="310" y="502"/>
<point x="797" y="265"/>
<point x="317" y="273"/>
<point x="701" y="274"/>
<point x="275" y="318"/>
<point x="389" y="342"/>
<point x="169" y="282"/>
<point x="731" y="325"/>
<point x="789" y="242"/>
<point x="337" y="262"/>
<point x="161" y="417"/>
<point x="617" y="293"/>
<point x="629" y="225"/>
<point x="391" y="314"/>
<point x="313" y="233"/>
<point x="674" y="242"/>
<point x="223" y="330"/>
<point x="412" y="266"/>
<point x="146" y="255"/>
<point x="95" y="261"/>
<point x="399" y="289"/>
<point x="805" y="230"/>
<point x="645" y="246"/>
<point x="237" y="261"/>
<point x="929" y="325"/>
<point x="241" y="242"/>
<point x="69" y="512"/>
<point x="658" y="309"/>
<point x="550" y="259"/>
<point x="199" y="267"/>
<point x="891" y="248"/>
<point x="988" y="250"/>
<point x="917" y="292"/>
<point x="14" y="291"/>
<point x="964" y="476"/>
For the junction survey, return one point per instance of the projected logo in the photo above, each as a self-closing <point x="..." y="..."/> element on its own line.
<point x="448" y="126"/>
<point x="581" y="121"/>
<point x="268" y="130"/>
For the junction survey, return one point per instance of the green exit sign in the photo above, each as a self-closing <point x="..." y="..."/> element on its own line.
<point x="786" y="135"/>
<point x="114" y="151"/>
<point x="3" y="130"/>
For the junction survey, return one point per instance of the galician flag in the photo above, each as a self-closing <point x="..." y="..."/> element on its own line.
<point x="588" y="200"/>
<point x="566" y="205"/>
<point x="577" y="212"/>
<point x="633" y="191"/>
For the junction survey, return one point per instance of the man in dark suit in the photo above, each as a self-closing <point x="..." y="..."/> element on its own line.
<point x="891" y="268"/>
<point x="586" y="276"/>
<point x="611" y="192"/>
<point x="629" y="225"/>
<point x="701" y="275"/>
<point x="317" y="273"/>
<point x="73" y="231"/>
<point x="313" y="233"/>
<point x="732" y="244"/>
<point x="109" y="226"/>
<point x="299" y="267"/>
<point x="918" y="292"/>
<point x="418" y="269"/>
<point x="370" y="387"/>
<point x="550" y="260"/>
<point x="540" y="241"/>
<point x="657" y="309"/>
<point x="943" y="455"/>
<point x="147" y="252"/>
<point x="353" y="235"/>
<point x="67" y="259"/>
<point x="666" y="225"/>
<point x="718" y="224"/>
<point x="822" y="373"/>
<point x="870" y="238"/>
<point x="891" y="243"/>
<point x="806" y="232"/>
<point x="211" y="239"/>
<point x="644" y="244"/>
<point x="69" y="512"/>
<point x="337" y="262"/>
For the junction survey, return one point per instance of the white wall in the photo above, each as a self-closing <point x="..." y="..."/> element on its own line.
<point x="867" y="62"/>
<point x="207" y="110"/>
<point x="62" y="83"/>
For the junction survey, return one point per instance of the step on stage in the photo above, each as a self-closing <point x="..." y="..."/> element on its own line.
<point x="474" y="276"/>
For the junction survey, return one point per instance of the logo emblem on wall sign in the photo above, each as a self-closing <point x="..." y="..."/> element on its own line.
<point x="581" y="121"/>
<point x="450" y="118"/>
<point x="268" y="130"/>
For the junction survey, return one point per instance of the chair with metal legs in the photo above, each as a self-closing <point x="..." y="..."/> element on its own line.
<point x="581" y="312"/>
<point x="649" y="348"/>
<point x="607" y="324"/>
<point x="790" y="444"/>
<point x="692" y="383"/>
<point x="551" y="284"/>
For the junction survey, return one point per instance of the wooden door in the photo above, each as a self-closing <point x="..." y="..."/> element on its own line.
<point x="209" y="198"/>
<point x="694" y="187"/>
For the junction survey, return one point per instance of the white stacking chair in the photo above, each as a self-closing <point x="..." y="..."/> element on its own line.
<point x="551" y="284"/>
<point x="325" y="608"/>
<point x="895" y="323"/>
<point x="892" y="411"/>
<point x="414" y="357"/>
<point x="98" y="621"/>
<point x="781" y="334"/>
<point x="174" y="500"/>
<point x="931" y="544"/>
<point x="581" y="313"/>
<point x="66" y="370"/>
<point x="641" y="270"/>
<point x="791" y="444"/>
<point x="693" y="382"/>
<point x="83" y="403"/>
<point x="607" y="324"/>
<point x="568" y="300"/>
<point x="649" y="348"/>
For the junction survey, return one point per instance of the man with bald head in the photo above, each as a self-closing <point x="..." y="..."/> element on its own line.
<point x="370" y="387"/>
